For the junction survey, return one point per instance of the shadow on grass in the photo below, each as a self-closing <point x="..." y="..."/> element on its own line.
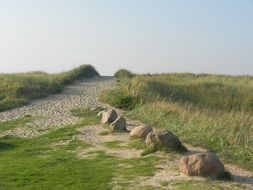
<point x="6" y="146"/>
<point x="215" y="96"/>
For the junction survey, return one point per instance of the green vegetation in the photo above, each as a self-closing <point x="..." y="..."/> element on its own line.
<point x="45" y="163"/>
<point x="19" y="88"/>
<point x="138" y="144"/>
<point x="7" y="125"/>
<point x="33" y="164"/>
<point x="212" y="111"/>
<point x="83" y="112"/>
<point x="114" y="144"/>
<point x="120" y="99"/>
<point x="123" y="74"/>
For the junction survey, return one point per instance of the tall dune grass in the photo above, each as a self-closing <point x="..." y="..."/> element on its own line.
<point x="213" y="111"/>
<point x="19" y="88"/>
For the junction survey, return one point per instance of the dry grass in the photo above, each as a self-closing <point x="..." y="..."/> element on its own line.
<point x="212" y="111"/>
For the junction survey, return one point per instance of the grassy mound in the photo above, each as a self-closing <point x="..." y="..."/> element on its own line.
<point x="123" y="74"/>
<point x="19" y="88"/>
<point x="213" y="111"/>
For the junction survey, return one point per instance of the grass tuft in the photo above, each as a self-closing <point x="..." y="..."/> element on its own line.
<point x="7" y="125"/>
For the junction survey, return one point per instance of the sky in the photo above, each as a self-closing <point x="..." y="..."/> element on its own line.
<point x="144" y="36"/>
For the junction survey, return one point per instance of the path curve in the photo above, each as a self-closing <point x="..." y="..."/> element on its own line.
<point x="54" y="111"/>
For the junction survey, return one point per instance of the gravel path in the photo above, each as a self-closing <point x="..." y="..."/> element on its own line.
<point x="54" y="111"/>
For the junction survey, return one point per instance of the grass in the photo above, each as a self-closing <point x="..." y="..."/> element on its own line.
<point x="212" y="111"/>
<point x="19" y="88"/>
<point x="137" y="144"/>
<point x="38" y="164"/>
<point x="119" y="99"/>
<point x="7" y="125"/>
<point x="83" y="112"/>
<point x="122" y="74"/>
<point x="114" y="144"/>
<point x="43" y="163"/>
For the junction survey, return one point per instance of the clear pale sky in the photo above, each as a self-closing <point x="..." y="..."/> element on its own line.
<point x="210" y="36"/>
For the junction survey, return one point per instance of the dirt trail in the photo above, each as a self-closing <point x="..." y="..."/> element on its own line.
<point x="54" y="111"/>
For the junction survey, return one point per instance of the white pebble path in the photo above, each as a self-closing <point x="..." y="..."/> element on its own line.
<point x="54" y="111"/>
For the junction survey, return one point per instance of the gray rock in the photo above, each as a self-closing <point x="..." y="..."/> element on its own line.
<point x="118" y="124"/>
<point x="109" y="116"/>
<point x="163" y="138"/>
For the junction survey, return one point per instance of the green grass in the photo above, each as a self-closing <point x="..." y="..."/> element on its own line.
<point x="31" y="164"/>
<point x="7" y="125"/>
<point x="119" y="99"/>
<point x="114" y="144"/>
<point x="19" y="88"/>
<point x="212" y="111"/>
<point x="123" y="74"/>
<point x="41" y="163"/>
<point x="138" y="144"/>
<point x="83" y="112"/>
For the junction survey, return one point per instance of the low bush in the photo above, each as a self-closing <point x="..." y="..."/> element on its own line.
<point x="118" y="98"/>
<point x="122" y="74"/>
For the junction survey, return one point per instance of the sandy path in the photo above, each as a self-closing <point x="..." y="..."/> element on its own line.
<point x="54" y="111"/>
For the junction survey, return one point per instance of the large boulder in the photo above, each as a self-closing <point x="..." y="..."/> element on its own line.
<point x="109" y="116"/>
<point x="202" y="164"/>
<point x="118" y="124"/>
<point x="140" y="131"/>
<point x="163" y="138"/>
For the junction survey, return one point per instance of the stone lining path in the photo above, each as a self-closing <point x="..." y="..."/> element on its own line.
<point x="54" y="111"/>
<point x="166" y="168"/>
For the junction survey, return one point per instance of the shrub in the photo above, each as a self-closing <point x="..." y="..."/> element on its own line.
<point x="123" y="73"/>
<point x="84" y="71"/>
<point x="119" y="99"/>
